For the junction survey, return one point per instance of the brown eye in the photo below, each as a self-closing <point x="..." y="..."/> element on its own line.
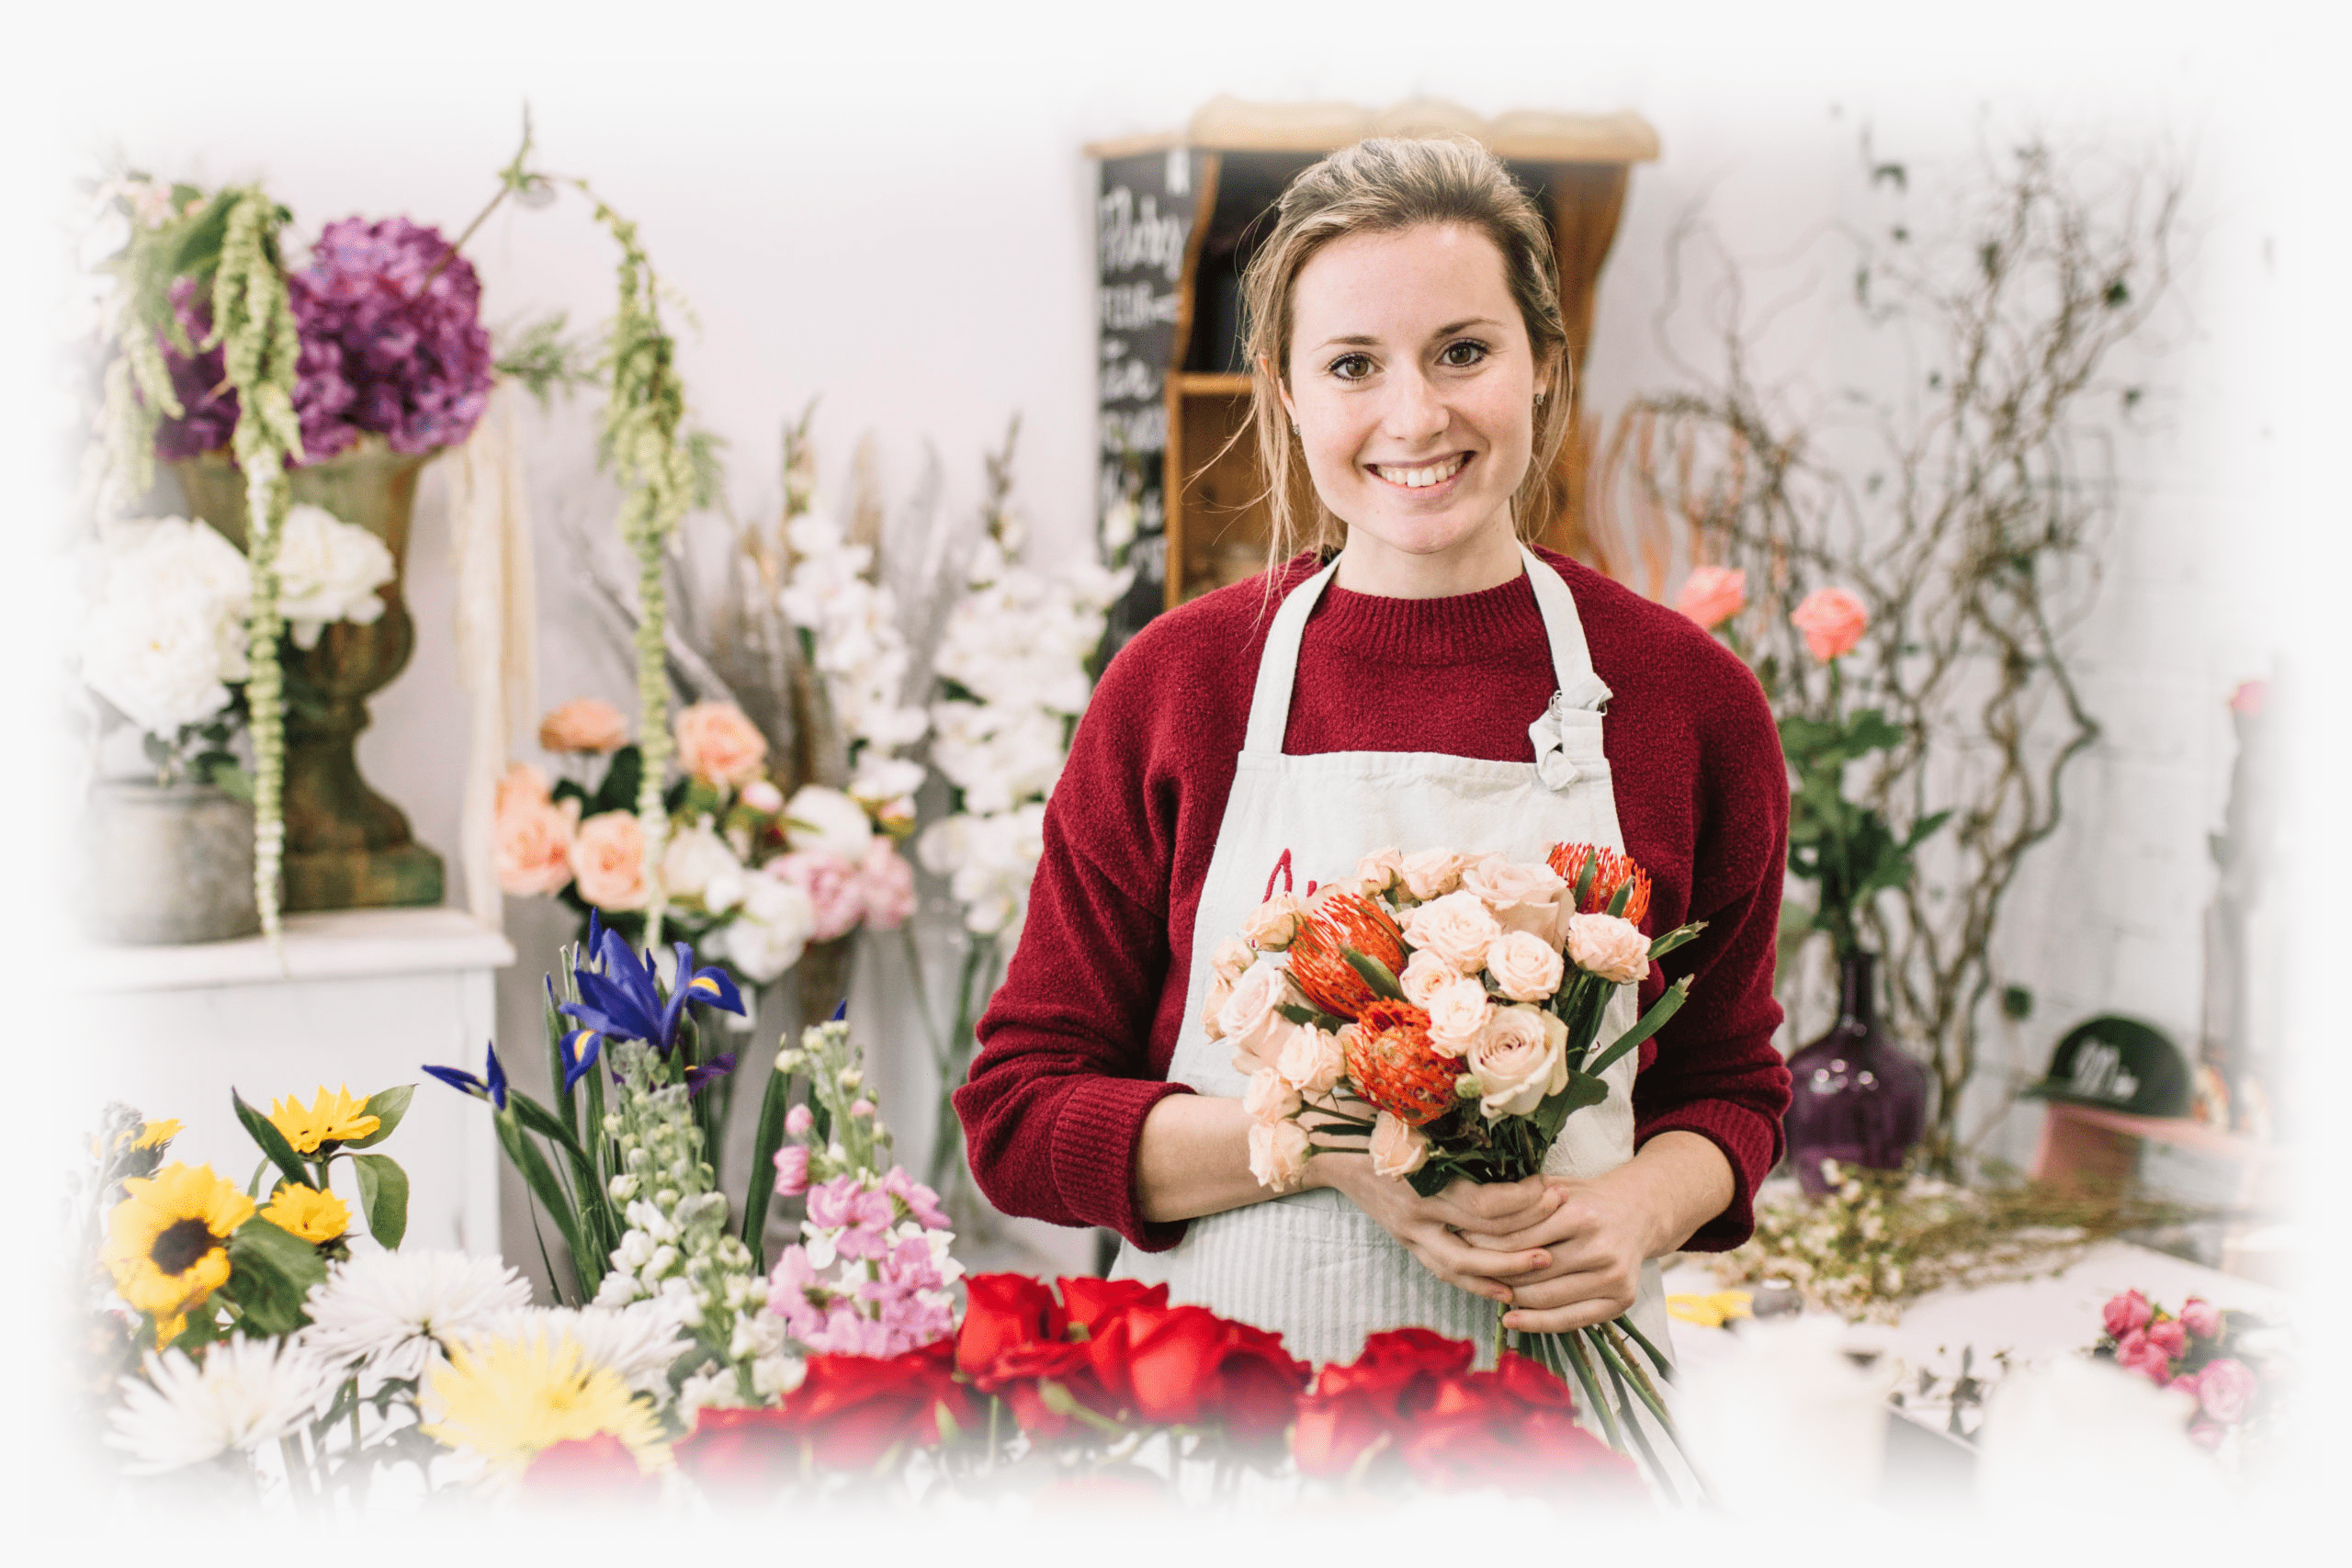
<point x="1462" y="354"/>
<point x="1351" y="367"/>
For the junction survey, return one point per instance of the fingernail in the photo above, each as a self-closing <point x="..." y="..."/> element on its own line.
<point x="1542" y="1260"/>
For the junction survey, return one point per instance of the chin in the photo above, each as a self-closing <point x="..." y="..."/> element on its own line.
<point x="1434" y="534"/>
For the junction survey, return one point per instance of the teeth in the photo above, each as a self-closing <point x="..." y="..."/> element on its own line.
<point x="1422" y="479"/>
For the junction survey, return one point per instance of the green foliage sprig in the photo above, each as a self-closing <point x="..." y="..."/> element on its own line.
<point x="1844" y="847"/>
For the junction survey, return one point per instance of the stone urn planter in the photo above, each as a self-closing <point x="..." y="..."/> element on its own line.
<point x="165" y="865"/>
<point x="347" y="847"/>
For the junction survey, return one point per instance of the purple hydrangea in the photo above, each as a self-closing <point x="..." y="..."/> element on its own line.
<point x="383" y="350"/>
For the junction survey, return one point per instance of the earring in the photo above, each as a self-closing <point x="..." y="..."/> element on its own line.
<point x="1293" y="427"/>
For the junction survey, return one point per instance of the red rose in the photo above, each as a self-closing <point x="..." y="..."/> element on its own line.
<point x="1372" y="1397"/>
<point x="1001" y="1310"/>
<point x="598" y="1470"/>
<point x="854" y="1409"/>
<point x="1022" y="1375"/>
<point x="1512" y="1427"/>
<point x="1186" y="1366"/>
<point x="741" y="1451"/>
<point x="1093" y="1303"/>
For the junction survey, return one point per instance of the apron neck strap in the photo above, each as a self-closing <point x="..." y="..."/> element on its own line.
<point x="1278" y="665"/>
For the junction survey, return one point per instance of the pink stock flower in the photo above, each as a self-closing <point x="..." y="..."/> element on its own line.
<point x="834" y="888"/>
<point x="2125" y="1313"/>
<point x="2168" y="1336"/>
<point x="2201" y="1318"/>
<point x="887" y="884"/>
<point x="1713" y="595"/>
<point x="862" y="1216"/>
<point x="798" y="1121"/>
<point x="792" y="1171"/>
<point x="860" y="1109"/>
<point x="1833" y="621"/>
<point x="2226" y="1389"/>
<point x="922" y="1204"/>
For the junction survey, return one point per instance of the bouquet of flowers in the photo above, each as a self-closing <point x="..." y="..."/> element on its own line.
<point x="752" y="876"/>
<point x="2211" y="1353"/>
<point x="1446" y="1006"/>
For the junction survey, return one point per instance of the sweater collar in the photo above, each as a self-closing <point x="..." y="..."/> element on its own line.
<point x="1461" y="628"/>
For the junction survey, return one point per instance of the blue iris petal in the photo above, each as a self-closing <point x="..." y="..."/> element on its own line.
<point x="700" y="1078"/>
<point x="492" y="1087"/>
<point x="579" y="1051"/>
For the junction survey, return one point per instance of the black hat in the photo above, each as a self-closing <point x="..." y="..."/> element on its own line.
<point x="2118" y="1063"/>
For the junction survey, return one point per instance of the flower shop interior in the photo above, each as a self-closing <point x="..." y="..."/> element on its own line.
<point x="574" y="606"/>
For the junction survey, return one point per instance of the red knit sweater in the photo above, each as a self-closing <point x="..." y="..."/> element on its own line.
<point x="1076" y="1046"/>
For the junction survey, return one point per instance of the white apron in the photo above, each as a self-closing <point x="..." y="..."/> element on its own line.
<point x="1312" y="1266"/>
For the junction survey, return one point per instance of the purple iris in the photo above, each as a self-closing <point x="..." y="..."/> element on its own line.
<point x="625" y="999"/>
<point x="491" y="1086"/>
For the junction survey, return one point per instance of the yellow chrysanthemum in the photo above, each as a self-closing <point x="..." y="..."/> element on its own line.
<point x="335" y="1118"/>
<point x="167" y="1243"/>
<point x="1710" y="1312"/>
<point x="506" y="1399"/>
<point x="313" y="1216"/>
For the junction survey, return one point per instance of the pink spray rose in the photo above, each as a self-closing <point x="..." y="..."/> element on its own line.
<point x="792" y="1169"/>
<point x="887" y="883"/>
<point x="1833" y="621"/>
<point x="2125" y="1313"/>
<point x="2168" y="1336"/>
<point x="2226" y="1390"/>
<point x="834" y="886"/>
<point x="716" y="743"/>
<point x="584" y="724"/>
<point x="2201" y="1318"/>
<point x="2133" y="1353"/>
<point x="608" y="859"/>
<point x="1713" y="595"/>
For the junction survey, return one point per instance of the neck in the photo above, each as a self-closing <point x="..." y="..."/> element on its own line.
<point x="1488" y="558"/>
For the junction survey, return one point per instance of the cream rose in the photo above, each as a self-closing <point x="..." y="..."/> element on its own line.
<point x="1519" y="1058"/>
<point x="1527" y="968"/>
<point x="1273" y="925"/>
<point x="1458" y="1013"/>
<point x="1425" y="972"/>
<point x="1250" y="1019"/>
<point x="1310" y="1061"/>
<point x="534" y="844"/>
<point x="1524" y="898"/>
<point x="1399" y="1149"/>
<point x="584" y="724"/>
<point x="716" y="743"/>
<point x="608" y="860"/>
<point x="1230" y="959"/>
<point x="1278" y="1154"/>
<point x="1612" y="948"/>
<point x="1268" y="1097"/>
<point x="1212" y="1011"/>
<point x="1457" y="926"/>
<point x="1345" y="887"/>
<point x="1432" y="873"/>
<point x="1381" y="870"/>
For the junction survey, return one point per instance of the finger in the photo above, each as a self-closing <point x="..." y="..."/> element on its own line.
<point x="1582" y="1313"/>
<point x="1497" y="1207"/>
<point x="1612" y="1286"/>
<point x="1451" y="1255"/>
<point x="1560" y="1225"/>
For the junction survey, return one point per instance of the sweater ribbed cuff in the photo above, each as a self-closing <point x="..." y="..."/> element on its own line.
<point x="1751" y="1144"/>
<point x="1096" y="1128"/>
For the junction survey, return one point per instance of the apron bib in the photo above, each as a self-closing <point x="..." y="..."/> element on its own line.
<point x="1311" y="1266"/>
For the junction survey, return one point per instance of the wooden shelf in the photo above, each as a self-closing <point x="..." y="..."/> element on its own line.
<point x="1211" y="384"/>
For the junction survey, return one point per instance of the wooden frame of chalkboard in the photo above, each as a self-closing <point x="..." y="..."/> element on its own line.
<point x="1177" y="219"/>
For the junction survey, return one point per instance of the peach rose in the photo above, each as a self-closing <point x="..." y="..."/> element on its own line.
<point x="534" y="845"/>
<point x="1278" y="1154"/>
<point x="1424" y="973"/>
<point x="521" y="785"/>
<point x="1230" y="960"/>
<point x="1432" y="873"/>
<point x="608" y="860"/>
<point x="1457" y="926"/>
<point x="718" y="744"/>
<point x="1458" y="1011"/>
<point x="1519" y="1058"/>
<point x="1311" y="1061"/>
<point x="1527" y="968"/>
<point x="1381" y="871"/>
<point x="1713" y="595"/>
<point x="1251" y="1023"/>
<point x="1399" y="1149"/>
<point x="1613" y="949"/>
<point x="1524" y="898"/>
<point x="1220" y="992"/>
<point x="584" y="724"/>
<point x="1833" y="621"/>
<point x="1268" y="1097"/>
<point x="1273" y="924"/>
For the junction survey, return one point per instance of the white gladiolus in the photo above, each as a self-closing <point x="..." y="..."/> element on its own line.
<point x="861" y="655"/>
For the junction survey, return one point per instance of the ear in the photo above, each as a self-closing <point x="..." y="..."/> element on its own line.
<point x="1265" y="368"/>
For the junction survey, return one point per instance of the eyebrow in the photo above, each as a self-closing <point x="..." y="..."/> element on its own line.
<point x="1365" y="340"/>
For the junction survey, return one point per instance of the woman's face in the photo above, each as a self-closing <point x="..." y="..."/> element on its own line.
<point x="1413" y="386"/>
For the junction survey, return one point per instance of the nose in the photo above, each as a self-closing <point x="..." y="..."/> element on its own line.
<point x="1415" y="415"/>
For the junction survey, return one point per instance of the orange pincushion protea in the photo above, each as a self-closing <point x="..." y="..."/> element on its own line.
<point x="1611" y="872"/>
<point x="1329" y="923"/>
<point x="1395" y="1066"/>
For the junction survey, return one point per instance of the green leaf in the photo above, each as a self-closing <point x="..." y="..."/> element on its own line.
<point x="540" y="1179"/>
<point x="270" y="1272"/>
<point x="545" y="1123"/>
<point x="388" y="1106"/>
<point x="383" y="1193"/>
<point x="775" y="1103"/>
<point x="1675" y="938"/>
<point x="1664" y="1007"/>
<point x="1375" y="973"/>
<point x="1330" y="1023"/>
<point x="273" y="1142"/>
<point x="618" y="792"/>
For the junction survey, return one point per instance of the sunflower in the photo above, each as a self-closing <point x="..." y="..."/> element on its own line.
<point x="155" y="1135"/>
<point x="332" y="1118"/>
<point x="167" y="1241"/>
<point x="317" y="1217"/>
<point x="506" y="1399"/>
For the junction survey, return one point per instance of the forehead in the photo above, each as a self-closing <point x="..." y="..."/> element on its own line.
<point x="1400" y="286"/>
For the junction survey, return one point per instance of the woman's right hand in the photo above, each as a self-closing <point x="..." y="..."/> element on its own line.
<point x="1428" y="1228"/>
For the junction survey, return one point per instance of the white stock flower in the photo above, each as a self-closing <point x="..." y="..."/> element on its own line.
<point x="392" y="1311"/>
<point x="247" y="1391"/>
<point x="328" y="570"/>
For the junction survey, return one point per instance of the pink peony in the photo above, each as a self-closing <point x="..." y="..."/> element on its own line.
<point x="888" y="885"/>
<point x="2226" y="1389"/>
<point x="716" y="743"/>
<point x="792" y="1171"/>
<point x="1713" y="595"/>
<point x="2169" y="1336"/>
<point x="1833" y="621"/>
<point x="2125" y="1313"/>
<point x="584" y="724"/>
<point x="608" y="859"/>
<point x="2201" y="1318"/>
<point x="834" y="886"/>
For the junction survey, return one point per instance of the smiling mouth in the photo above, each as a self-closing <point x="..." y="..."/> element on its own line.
<point x="1423" y="476"/>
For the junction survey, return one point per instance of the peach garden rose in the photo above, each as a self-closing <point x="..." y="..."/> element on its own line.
<point x="1424" y="973"/>
<point x="1521" y="898"/>
<point x="1432" y="873"/>
<point x="1277" y="1154"/>
<point x="1311" y="1061"/>
<point x="584" y="724"/>
<point x="608" y="860"/>
<point x="1457" y="926"/>
<point x="718" y="744"/>
<point x="1527" y="968"/>
<point x="1833" y="621"/>
<point x="1521" y="1057"/>
<point x="1713" y="595"/>
<point x="1613" y="949"/>
<point x="1458" y="1011"/>
<point x="1252" y="1024"/>
<point x="1399" y="1149"/>
<point x="534" y="838"/>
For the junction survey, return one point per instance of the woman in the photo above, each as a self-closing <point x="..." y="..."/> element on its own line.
<point x="1410" y="359"/>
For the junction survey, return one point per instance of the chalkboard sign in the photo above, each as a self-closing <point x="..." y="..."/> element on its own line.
<point x="1143" y="216"/>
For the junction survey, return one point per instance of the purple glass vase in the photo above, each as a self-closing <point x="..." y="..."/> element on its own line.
<point x="1855" y="1096"/>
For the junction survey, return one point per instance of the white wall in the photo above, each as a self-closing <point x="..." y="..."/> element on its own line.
<point x="888" y="207"/>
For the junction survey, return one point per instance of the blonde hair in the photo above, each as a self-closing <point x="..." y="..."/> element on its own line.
<point x="1383" y="185"/>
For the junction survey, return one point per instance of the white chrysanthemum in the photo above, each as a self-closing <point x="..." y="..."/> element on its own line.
<point x="392" y="1311"/>
<point x="639" y="1343"/>
<point x="245" y="1391"/>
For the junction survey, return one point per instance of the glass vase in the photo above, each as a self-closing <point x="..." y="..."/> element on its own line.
<point x="1855" y="1096"/>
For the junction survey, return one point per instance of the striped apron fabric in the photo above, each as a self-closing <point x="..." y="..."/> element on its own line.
<point x="1312" y="1266"/>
